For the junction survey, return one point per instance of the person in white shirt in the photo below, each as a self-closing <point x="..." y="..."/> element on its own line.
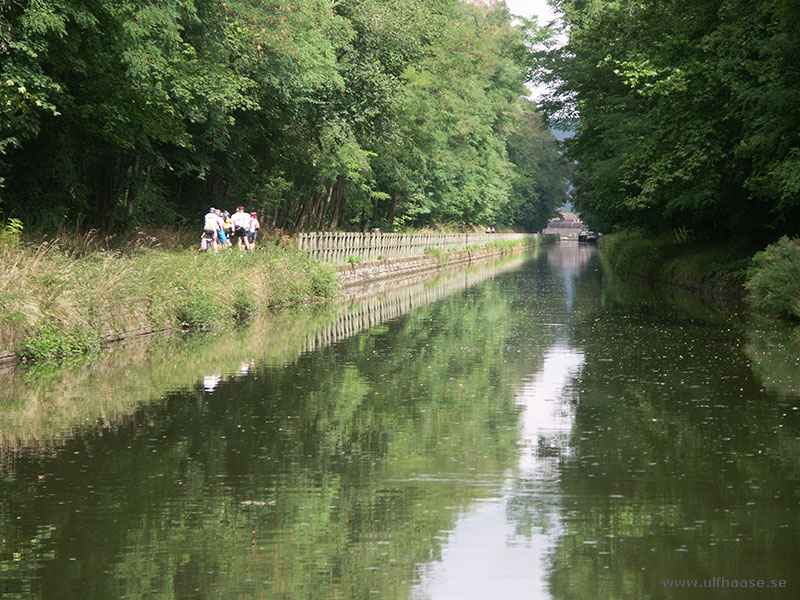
<point x="211" y="226"/>
<point x="252" y="230"/>
<point x="241" y="225"/>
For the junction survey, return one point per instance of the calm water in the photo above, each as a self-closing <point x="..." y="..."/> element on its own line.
<point x="531" y="430"/>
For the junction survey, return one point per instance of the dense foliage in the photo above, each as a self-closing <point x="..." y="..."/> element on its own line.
<point x="685" y="113"/>
<point x="318" y="114"/>
<point x="773" y="286"/>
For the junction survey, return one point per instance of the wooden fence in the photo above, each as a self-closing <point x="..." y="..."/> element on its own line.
<point x="337" y="247"/>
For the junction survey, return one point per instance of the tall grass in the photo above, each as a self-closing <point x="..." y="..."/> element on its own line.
<point x="506" y="245"/>
<point x="67" y="295"/>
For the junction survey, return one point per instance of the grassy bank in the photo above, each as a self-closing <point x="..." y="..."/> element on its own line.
<point x="705" y="267"/>
<point x="768" y="280"/>
<point x="56" y="300"/>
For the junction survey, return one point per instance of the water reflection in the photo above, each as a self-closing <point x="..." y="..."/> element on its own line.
<point x="45" y="406"/>
<point x="328" y="470"/>
<point x="568" y="262"/>
<point x="501" y="547"/>
<point x="679" y="471"/>
<point x="774" y="350"/>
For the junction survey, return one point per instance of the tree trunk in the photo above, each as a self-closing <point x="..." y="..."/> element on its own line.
<point x="304" y="213"/>
<point x="130" y="173"/>
<point x="326" y="205"/>
<point x="393" y="207"/>
<point x="337" y="203"/>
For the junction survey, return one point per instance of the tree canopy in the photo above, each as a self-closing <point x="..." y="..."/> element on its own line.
<point x="317" y="114"/>
<point x="685" y="114"/>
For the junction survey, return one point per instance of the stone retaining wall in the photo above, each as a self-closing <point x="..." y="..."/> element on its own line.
<point x="365" y="273"/>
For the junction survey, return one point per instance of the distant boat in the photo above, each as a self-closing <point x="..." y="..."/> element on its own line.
<point x="587" y="237"/>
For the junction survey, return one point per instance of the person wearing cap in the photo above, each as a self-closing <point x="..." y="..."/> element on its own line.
<point x="226" y="218"/>
<point x="241" y="224"/>
<point x="211" y="226"/>
<point x="252" y="230"/>
<point x="222" y="236"/>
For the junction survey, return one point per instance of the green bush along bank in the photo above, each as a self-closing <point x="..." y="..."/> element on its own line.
<point x="773" y="283"/>
<point x="54" y="303"/>
<point x="768" y="280"/>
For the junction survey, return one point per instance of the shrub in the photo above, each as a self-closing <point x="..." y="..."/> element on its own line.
<point x="773" y="280"/>
<point x="48" y="341"/>
<point x="244" y="302"/>
<point x="323" y="282"/>
<point x="199" y="312"/>
<point x="11" y="233"/>
<point x="440" y="254"/>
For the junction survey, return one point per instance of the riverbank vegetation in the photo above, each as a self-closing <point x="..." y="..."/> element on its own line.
<point x="317" y="115"/>
<point x="685" y="130"/>
<point x="700" y="265"/>
<point x="69" y="295"/>
<point x="59" y="298"/>
<point x="773" y="285"/>
<point x="768" y="281"/>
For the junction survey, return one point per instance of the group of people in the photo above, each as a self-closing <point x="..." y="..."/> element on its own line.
<point x="220" y="228"/>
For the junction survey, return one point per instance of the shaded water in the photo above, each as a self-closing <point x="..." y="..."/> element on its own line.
<point x="530" y="430"/>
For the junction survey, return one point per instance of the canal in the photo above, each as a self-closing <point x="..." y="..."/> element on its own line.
<point x="532" y="429"/>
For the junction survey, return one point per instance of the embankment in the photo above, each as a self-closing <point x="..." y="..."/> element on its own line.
<point x="55" y="302"/>
<point x="717" y="272"/>
<point x="368" y="273"/>
<point x="48" y="401"/>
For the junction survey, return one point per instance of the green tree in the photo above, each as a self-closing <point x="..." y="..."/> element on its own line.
<point x="318" y="115"/>
<point x="540" y="185"/>
<point x="683" y="114"/>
